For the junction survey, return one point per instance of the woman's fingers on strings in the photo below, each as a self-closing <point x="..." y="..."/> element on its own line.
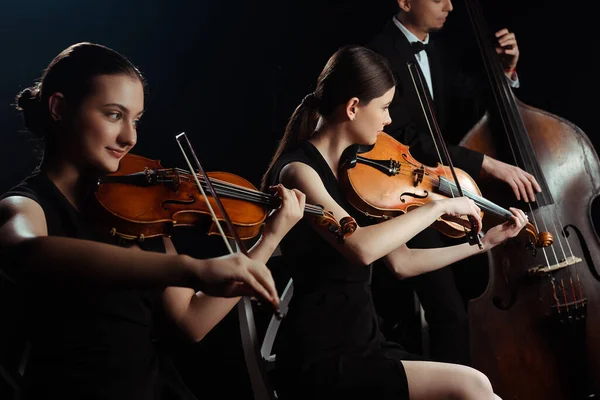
<point x="290" y="196"/>
<point x="477" y="217"/>
<point x="478" y="222"/>
<point x="294" y="201"/>
<point x="301" y="198"/>
<point x="524" y="218"/>
<point x="284" y="195"/>
<point x="276" y="188"/>
<point x="519" y="218"/>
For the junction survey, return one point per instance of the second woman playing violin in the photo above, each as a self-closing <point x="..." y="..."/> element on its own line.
<point x="331" y="345"/>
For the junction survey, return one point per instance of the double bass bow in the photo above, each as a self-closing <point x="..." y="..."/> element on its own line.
<point x="539" y="317"/>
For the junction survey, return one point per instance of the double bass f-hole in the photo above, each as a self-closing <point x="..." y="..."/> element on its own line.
<point x="555" y="320"/>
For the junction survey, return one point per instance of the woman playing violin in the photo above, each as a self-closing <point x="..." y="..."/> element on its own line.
<point x="331" y="346"/>
<point x="90" y="304"/>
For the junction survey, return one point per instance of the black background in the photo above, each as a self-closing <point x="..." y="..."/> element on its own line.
<point x="229" y="73"/>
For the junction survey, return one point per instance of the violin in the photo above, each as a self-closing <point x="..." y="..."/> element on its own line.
<point x="384" y="180"/>
<point x="143" y="199"/>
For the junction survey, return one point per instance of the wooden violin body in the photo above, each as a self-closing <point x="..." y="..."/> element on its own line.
<point x="150" y="209"/>
<point x="143" y="199"/>
<point x="386" y="181"/>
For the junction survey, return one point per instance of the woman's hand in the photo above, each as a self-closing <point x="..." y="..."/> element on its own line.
<point x="507" y="230"/>
<point x="235" y="275"/>
<point x="459" y="206"/>
<point x="290" y="212"/>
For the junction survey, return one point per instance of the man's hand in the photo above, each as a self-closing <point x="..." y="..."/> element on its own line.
<point x="522" y="183"/>
<point x="508" y="50"/>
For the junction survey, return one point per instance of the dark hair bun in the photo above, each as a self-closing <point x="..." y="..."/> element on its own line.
<point x="29" y="103"/>
<point x="27" y="98"/>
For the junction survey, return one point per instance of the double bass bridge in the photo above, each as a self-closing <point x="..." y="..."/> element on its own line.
<point x="542" y="270"/>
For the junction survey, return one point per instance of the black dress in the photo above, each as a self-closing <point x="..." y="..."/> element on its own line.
<point x="329" y="343"/>
<point x="88" y="342"/>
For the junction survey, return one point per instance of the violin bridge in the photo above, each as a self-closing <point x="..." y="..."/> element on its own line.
<point x="418" y="175"/>
<point x="542" y="270"/>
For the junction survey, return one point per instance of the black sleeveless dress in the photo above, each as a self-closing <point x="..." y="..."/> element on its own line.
<point x="329" y="343"/>
<point x="89" y="342"/>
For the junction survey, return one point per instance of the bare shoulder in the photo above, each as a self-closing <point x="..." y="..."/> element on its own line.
<point x="300" y="176"/>
<point x="21" y="218"/>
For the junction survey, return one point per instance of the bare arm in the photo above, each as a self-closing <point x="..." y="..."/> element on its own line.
<point x="24" y="240"/>
<point x="26" y="249"/>
<point x="371" y="243"/>
<point x="197" y="313"/>
<point x="406" y="262"/>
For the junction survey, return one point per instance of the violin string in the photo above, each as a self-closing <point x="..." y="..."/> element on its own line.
<point x="482" y="202"/>
<point x="240" y="189"/>
<point x="264" y="198"/>
<point x="429" y="126"/>
<point x="236" y="188"/>
<point x="476" y="238"/>
<point x="212" y="212"/>
<point x="236" y="191"/>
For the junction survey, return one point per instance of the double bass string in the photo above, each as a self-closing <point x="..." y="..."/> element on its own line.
<point x="476" y="17"/>
<point x="525" y="150"/>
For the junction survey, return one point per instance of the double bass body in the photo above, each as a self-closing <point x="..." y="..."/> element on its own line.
<point x="541" y="330"/>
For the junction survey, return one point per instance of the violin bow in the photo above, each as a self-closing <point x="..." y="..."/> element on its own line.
<point x="434" y="129"/>
<point x="240" y="245"/>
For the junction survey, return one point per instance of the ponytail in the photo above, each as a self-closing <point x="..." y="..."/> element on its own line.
<point x="300" y="127"/>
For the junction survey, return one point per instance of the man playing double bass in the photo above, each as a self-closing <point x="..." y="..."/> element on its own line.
<point x="458" y="105"/>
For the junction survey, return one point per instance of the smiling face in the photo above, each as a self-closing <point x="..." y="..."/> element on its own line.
<point x="371" y="118"/>
<point x="103" y="128"/>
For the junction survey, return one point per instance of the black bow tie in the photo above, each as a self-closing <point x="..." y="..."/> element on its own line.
<point x="419" y="47"/>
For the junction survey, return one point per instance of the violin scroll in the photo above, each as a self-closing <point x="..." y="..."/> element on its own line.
<point x="341" y="230"/>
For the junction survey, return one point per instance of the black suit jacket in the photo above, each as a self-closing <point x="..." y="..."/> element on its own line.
<point x="456" y="100"/>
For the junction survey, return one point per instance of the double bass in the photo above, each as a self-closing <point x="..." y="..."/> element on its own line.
<point x="539" y="316"/>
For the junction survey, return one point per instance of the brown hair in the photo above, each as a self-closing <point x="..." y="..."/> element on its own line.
<point x="352" y="71"/>
<point x="69" y="73"/>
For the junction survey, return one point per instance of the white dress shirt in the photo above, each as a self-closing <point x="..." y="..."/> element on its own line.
<point x="421" y="56"/>
<point x="423" y="60"/>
